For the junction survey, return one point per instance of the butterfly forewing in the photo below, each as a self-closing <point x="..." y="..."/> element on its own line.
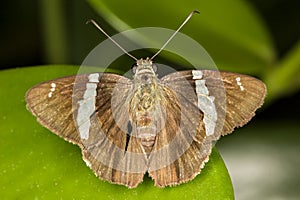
<point x="51" y="103"/>
<point x="244" y="95"/>
<point x="235" y="97"/>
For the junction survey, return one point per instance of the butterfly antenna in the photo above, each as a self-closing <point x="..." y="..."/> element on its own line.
<point x="183" y="23"/>
<point x="98" y="27"/>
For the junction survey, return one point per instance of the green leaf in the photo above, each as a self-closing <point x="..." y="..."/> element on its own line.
<point x="231" y="31"/>
<point x="284" y="78"/>
<point x="38" y="164"/>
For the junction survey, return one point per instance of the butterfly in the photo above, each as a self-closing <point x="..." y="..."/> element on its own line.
<point x="161" y="126"/>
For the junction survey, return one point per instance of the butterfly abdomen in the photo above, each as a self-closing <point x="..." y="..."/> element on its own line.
<point x="147" y="136"/>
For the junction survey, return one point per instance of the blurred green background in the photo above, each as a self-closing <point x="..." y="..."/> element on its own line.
<point x="260" y="38"/>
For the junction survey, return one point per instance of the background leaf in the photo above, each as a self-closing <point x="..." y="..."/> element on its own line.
<point x="35" y="163"/>
<point x="284" y="78"/>
<point x="230" y="31"/>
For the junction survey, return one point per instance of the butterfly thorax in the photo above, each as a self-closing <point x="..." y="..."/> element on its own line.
<point x="143" y="103"/>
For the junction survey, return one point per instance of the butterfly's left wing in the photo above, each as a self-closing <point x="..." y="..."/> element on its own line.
<point x="228" y="100"/>
<point x="178" y="153"/>
<point x="80" y="110"/>
<point x="224" y="101"/>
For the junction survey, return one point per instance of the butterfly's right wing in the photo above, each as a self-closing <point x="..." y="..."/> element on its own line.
<point x="114" y="154"/>
<point x="79" y="109"/>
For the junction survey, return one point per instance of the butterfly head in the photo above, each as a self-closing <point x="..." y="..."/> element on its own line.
<point x="144" y="72"/>
<point x="144" y="67"/>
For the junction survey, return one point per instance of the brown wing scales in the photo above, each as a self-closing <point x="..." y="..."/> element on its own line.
<point x="176" y="144"/>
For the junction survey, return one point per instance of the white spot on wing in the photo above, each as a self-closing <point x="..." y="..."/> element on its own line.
<point x="94" y="78"/>
<point x="197" y="74"/>
<point x="52" y="89"/>
<point x="238" y="82"/>
<point x="207" y="106"/>
<point x="201" y="88"/>
<point x="87" y="106"/>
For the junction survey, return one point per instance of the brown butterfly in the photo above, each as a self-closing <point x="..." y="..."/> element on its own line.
<point x="163" y="126"/>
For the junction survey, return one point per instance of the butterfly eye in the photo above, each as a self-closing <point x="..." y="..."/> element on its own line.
<point x="133" y="68"/>
<point x="154" y="67"/>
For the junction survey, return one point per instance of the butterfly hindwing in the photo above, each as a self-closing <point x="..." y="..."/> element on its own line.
<point x="185" y="168"/>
